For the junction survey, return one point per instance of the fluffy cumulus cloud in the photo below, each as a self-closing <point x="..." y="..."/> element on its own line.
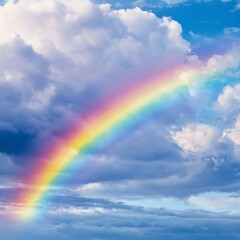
<point x="50" y="48"/>
<point x="197" y="139"/>
<point x="228" y="100"/>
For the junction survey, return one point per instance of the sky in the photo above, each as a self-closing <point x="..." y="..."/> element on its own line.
<point x="170" y="170"/>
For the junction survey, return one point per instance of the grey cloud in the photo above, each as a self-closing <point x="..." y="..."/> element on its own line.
<point x="133" y="223"/>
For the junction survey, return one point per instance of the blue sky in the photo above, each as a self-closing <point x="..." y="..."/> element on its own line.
<point x="200" y="17"/>
<point x="174" y="175"/>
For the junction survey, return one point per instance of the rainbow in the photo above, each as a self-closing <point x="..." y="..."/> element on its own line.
<point x="114" y="117"/>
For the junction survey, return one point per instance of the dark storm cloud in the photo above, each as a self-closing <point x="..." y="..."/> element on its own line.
<point x="15" y="143"/>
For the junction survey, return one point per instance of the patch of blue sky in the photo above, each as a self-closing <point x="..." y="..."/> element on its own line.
<point x="211" y="90"/>
<point x="217" y="201"/>
<point x="203" y="18"/>
<point x="207" y="18"/>
<point x="209" y="201"/>
<point x="169" y="203"/>
<point x="2" y="2"/>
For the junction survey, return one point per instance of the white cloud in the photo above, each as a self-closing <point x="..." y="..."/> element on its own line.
<point x="158" y="4"/>
<point x="78" y="211"/>
<point x="82" y="30"/>
<point x="52" y="51"/>
<point x="229" y="99"/>
<point x="216" y="201"/>
<point x="91" y="187"/>
<point x="233" y="134"/>
<point x="196" y="138"/>
<point x="218" y="63"/>
<point x="174" y="2"/>
<point x="139" y="3"/>
<point x="231" y="30"/>
<point x="215" y="68"/>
